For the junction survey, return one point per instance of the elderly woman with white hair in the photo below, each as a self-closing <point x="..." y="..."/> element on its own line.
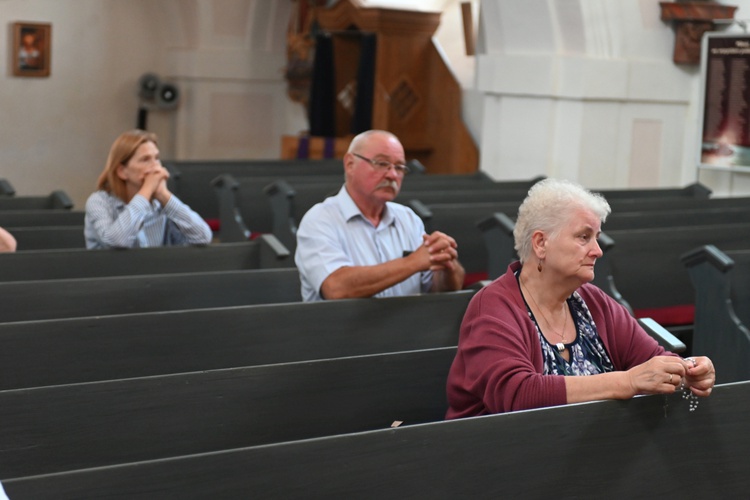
<point x="541" y="335"/>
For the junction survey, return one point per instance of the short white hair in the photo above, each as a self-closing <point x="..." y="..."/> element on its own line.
<point x="548" y="206"/>
<point x="362" y="138"/>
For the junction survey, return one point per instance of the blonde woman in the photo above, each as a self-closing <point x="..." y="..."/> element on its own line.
<point x="133" y="207"/>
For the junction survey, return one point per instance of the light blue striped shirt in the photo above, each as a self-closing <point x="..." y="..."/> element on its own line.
<point x="334" y="234"/>
<point x="112" y="223"/>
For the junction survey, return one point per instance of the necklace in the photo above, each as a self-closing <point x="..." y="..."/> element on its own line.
<point x="560" y="345"/>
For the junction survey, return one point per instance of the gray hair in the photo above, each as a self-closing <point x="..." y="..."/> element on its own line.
<point x="548" y="206"/>
<point x="362" y="137"/>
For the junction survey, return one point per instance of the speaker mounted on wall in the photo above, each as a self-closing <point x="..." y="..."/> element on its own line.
<point x="154" y="94"/>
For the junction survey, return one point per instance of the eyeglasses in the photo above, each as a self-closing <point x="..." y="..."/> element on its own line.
<point x="383" y="165"/>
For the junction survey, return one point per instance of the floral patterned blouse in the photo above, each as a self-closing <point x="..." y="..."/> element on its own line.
<point x="587" y="353"/>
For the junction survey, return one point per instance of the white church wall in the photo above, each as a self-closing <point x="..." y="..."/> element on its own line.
<point x="600" y="93"/>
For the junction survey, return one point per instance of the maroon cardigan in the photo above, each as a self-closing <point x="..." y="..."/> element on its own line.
<point x="499" y="365"/>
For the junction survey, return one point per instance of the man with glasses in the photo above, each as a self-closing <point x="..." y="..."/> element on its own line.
<point x="359" y="243"/>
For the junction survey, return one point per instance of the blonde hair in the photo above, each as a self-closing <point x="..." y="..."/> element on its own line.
<point x="548" y="206"/>
<point x="120" y="153"/>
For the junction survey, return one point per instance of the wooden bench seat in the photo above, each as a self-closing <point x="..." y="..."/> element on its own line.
<point x="262" y="253"/>
<point x="721" y="280"/>
<point x="66" y="427"/>
<point x="80" y="297"/>
<point x="662" y="448"/>
<point x="138" y="345"/>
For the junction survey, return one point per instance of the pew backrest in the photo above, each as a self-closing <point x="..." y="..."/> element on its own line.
<point x="643" y="266"/>
<point x="517" y="192"/>
<point x="497" y="230"/>
<point x="49" y="217"/>
<point x="460" y="459"/>
<point x="55" y="200"/>
<point x="290" y="203"/>
<point x="81" y="297"/>
<point x="66" y="427"/>
<point x="92" y="349"/>
<point x="191" y="180"/>
<point x="244" y="208"/>
<point x="721" y="281"/>
<point x="48" y="237"/>
<point x="265" y="252"/>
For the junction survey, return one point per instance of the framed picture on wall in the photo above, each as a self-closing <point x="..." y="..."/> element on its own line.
<point x="31" y="49"/>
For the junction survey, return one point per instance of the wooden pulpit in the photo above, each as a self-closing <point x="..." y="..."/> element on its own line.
<point x="415" y="95"/>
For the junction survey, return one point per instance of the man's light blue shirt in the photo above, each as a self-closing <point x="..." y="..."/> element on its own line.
<point x="335" y="233"/>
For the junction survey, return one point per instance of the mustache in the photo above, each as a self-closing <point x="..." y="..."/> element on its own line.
<point x="388" y="184"/>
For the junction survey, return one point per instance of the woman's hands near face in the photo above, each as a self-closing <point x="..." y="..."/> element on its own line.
<point x="155" y="184"/>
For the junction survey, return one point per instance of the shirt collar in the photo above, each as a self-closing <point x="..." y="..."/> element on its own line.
<point x="351" y="210"/>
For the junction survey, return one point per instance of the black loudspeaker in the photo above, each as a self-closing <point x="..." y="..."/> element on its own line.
<point x="154" y="95"/>
<point x="148" y="84"/>
<point x="167" y="96"/>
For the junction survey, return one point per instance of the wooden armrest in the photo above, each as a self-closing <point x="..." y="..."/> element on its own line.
<point x="662" y="335"/>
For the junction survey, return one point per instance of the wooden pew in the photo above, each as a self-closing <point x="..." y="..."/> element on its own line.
<point x="139" y="345"/>
<point x="55" y="200"/>
<point x="655" y="205"/>
<point x="662" y="448"/>
<point x="290" y="203"/>
<point x="643" y="267"/>
<point x="245" y="212"/>
<point x="691" y="191"/>
<point x="265" y="252"/>
<point x="48" y="237"/>
<point x="46" y="217"/>
<point x="191" y="180"/>
<point x="67" y="427"/>
<point x="81" y="297"/>
<point x="245" y="209"/>
<point x="467" y="223"/>
<point x="640" y="267"/>
<point x="497" y="230"/>
<point x="721" y="281"/>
